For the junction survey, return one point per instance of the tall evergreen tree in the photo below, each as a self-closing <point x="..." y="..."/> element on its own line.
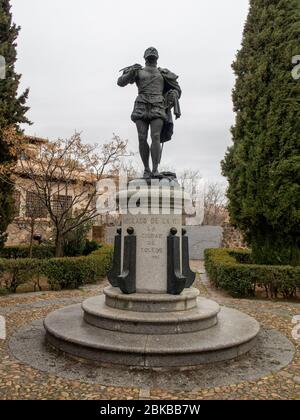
<point x="12" y="111"/>
<point x="263" y="165"/>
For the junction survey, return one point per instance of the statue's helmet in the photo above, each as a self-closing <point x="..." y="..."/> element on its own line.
<point x="151" y="52"/>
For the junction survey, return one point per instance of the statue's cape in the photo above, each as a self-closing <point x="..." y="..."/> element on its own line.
<point x="171" y="83"/>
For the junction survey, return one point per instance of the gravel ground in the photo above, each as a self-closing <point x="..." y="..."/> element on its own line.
<point x="73" y="380"/>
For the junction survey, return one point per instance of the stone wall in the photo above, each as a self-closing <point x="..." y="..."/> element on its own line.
<point x="201" y="238"/>
<point x="110" y="233"/>
<point x="19" y="232"/>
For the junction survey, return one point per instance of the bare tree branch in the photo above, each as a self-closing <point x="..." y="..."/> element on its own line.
<point x="64" y="175"/>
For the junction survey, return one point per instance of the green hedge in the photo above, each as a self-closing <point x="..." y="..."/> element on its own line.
<point x="73" y="272"/>
<point x="14" y="272"/>
<point x="22" y="251"/>
<point x="242" y="256"/>
<point x="61" y="273"/>
<point x="232" y="271"/>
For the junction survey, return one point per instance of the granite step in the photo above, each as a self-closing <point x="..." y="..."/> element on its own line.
<point x="98" y="314"/>
<point x="151" y="302"/>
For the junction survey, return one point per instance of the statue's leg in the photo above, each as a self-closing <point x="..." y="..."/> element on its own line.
<point x="143" y="128"/>
<point x="156" y="127"/>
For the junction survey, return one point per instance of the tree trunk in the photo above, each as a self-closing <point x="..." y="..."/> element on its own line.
<point x="31" y="239"/>
<point x="59" y="245"/>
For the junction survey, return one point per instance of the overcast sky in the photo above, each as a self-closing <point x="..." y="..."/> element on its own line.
<point x="70" y="52"/>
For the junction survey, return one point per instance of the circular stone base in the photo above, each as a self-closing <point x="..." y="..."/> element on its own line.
<point x="234" y="335"/>
<point x="272" y="353"/>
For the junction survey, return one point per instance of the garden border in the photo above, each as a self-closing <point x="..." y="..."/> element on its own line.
<point x="62" y="273"/>
<point x="232" y="270"/>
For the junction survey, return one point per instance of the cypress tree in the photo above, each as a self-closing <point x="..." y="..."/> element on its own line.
<point x="263" y="164"/>
<point x="12" y="112"/>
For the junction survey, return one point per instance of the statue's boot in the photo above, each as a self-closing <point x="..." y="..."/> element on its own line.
<point x="147" y="173"/>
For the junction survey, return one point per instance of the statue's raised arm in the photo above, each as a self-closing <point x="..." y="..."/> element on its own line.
<point x="129" y="75"/>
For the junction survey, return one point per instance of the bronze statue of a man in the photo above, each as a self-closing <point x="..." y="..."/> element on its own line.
<point x="158" y="93"/>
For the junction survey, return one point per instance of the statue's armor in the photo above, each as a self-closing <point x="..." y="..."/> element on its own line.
<point x="150" y="103"/>
<point x="150" y="85"/>
<point x="153" y="101"/>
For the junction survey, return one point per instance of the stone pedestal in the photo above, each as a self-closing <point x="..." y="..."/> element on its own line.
<point x="158" y="320"/>
<point x="159" y="210"/>
<point x="151" y="251"/>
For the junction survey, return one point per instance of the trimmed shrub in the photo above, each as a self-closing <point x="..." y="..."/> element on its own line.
<point x="14" y="272"/>
<point x="22" y="251"/>
<point x="242" y="256"/>
<point x="62" y="273"/>
<point x="73" y="272"/>
<point x="232" y="271"/>
<point x="75" y="241"/>
<point x="44" y="251"/>
<point x="68" y="272"/>
<point x="90" y="246"/>
<point x="105" y="249"/>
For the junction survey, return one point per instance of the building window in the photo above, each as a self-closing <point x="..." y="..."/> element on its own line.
<point x="61" y="203"/>
<point x="34" y="206"/>
<point x="17" y="203"/>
